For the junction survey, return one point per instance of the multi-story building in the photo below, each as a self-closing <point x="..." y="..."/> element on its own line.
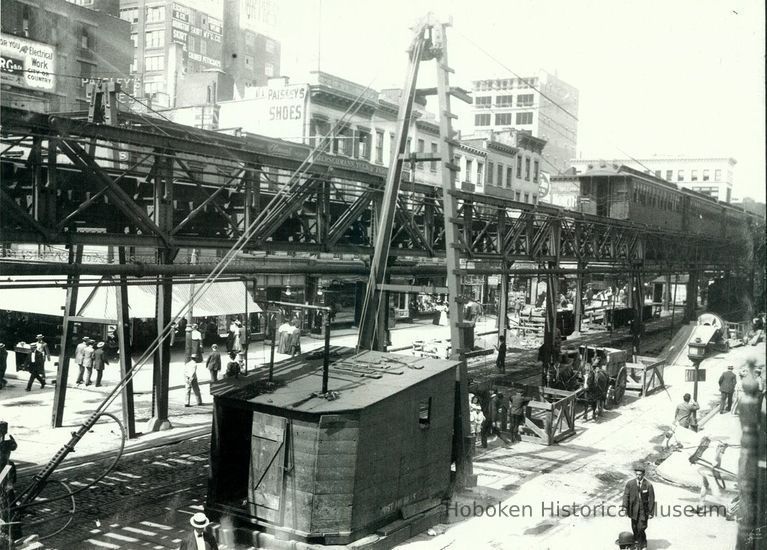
<point x="251" y="53"/>
<point x="540" y="104"/>
<point x="506" y="163"/>
<point x="170" y="40"/>
<point x="307" y="111"/>
<point x="712" y="176"/>
<point x="52" y="49"/>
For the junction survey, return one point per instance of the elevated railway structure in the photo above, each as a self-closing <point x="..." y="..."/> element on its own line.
<point x="133" y="181"/>
<point x="138" y="182"/>
<point x="147" y="182"/>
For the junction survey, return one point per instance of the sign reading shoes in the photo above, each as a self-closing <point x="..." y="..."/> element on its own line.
<point x="275" y="112"/>
<point x="27" y="63"/>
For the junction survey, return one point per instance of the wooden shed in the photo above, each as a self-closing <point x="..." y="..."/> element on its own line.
<point x="332" y="469"/>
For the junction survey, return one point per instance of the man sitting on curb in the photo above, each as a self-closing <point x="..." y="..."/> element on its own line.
<point x="684" y="415"/>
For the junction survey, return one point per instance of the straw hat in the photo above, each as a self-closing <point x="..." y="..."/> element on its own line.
<point x="199" y="521"/>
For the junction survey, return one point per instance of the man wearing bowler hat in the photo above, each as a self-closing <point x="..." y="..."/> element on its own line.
<point x="199" y="538"/>
<point x="639" y="503"/>
<point x="625" y="541"/>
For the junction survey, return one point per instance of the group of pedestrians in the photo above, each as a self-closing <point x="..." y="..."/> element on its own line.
<point x="497" y="415"/>
<point x="89" y="356"/>
<point x="193" y="356"/>
<point x="289" y="338"/>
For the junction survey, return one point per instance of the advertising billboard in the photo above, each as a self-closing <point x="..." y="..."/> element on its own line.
<point x="269" y="111"/>
<point x="27" y="63"/>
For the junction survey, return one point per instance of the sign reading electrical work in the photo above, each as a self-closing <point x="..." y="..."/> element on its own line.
<point x="27" y="63"/>
<point x="267" y="110"/>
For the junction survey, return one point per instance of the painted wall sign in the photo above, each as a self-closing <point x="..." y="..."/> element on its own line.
<point x="27" y="63"/>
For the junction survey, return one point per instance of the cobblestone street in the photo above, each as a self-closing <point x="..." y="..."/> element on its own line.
<point x="145" y="502"/>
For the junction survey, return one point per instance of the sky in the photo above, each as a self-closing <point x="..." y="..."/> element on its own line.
<point x="665" y="78"/>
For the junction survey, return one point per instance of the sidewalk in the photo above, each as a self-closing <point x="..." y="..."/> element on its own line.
<point x="29" y="413"/>
<point x="572" y="491"/>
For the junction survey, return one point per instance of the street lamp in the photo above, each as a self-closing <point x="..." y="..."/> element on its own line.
<point x="696" y="352"/>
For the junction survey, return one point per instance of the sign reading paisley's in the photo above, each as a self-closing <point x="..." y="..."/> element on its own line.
<point x="27" y="63"/>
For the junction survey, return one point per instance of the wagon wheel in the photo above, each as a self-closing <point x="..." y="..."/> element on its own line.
<point x="620" y="387"/>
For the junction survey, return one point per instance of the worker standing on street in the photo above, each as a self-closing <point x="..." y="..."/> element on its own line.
<point x="591" y="393"/>
<point x="727" y="386"/>
<point x="500" y="361"/>
<point x="639" y="504"/>
<point x="517" y="404"/>
<point x="190" y="377"/>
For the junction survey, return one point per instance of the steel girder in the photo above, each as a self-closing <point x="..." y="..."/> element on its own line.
<point x="54" y="191"/>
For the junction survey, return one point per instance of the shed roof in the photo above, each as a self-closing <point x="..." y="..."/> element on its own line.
<point x="299" y="380"/>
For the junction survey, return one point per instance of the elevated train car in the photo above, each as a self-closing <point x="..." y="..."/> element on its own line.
<point x="624" y="193"/>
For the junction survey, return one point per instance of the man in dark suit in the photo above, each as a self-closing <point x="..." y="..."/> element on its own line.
<point x="639" y="503"/>
<point x="199" y="537"/>
<point x="727" y="386"/>
<point x="99" y="360"/>
<point x="36" y="367"/>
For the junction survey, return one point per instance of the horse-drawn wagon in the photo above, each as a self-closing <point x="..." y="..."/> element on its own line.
<point x="572" y="372"/>
<point x="643" y="377"/>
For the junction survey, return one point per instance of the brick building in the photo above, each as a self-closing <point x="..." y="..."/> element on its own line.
<point x="51" y="50"/>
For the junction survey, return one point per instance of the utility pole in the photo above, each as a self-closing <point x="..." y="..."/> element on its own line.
<point x="429" y="43"/>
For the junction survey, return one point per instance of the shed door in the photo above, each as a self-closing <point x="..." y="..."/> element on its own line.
<point x="267" y="466"/>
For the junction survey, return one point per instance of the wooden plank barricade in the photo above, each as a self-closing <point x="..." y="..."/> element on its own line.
<point x="646" y="376"/>
<point x="550" y="414"/>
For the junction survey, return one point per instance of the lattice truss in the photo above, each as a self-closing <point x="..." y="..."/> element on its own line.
<point x="158" y="184"/>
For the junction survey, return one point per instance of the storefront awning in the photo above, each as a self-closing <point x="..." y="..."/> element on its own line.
<point x="219" y="298"/>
